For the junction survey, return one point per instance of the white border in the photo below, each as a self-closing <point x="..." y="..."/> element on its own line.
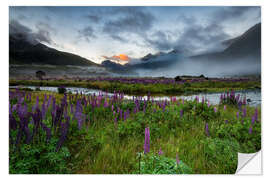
<point x="265" y="72"/>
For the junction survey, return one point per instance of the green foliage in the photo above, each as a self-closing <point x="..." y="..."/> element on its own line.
<point x="159" y="164"/>
<point x="143" y="89"/>
<point x="249" y="143"/>
<point x="61" y="90"/>
<point x="221" y="153"/>
<point x="38" y="158"/>
<point x="103" y="146"/>
<point x="129" y="128"/>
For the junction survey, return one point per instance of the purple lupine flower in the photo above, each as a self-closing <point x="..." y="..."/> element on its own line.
<point x="237" y="114"/>
<point x="147" y="141"/>
<point x="250" y="130"/>
<point x="36" y="105"/>
<point x="197" y="99"/>
<point x="177" y="159"/>
<point x="160" y="152"/>
<point x="121" y="114"/>
<point x="115" y="120"/>
<point x="181" y="113"/>
<point x="64" y="131"/>
<point x="105" y="105"/>
<point x="215" y="109"/>
<point x="206" y="129"/>
<point x="253" y="119"/>
<point x="226" y="121"/>
<point x="112" y="107"/>
<point x="48" y="132"/>
<point x="12" y="121"/>
<point x="225" y="107"/>
<point x="79" y="114"/>
<point x="49" y="102"/>
<point x="244" y="112"/>
<point x="208" y="104"/>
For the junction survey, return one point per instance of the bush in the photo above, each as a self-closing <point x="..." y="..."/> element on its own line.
<point x="62" y="90"/>
<point x="38" y="159"/>
<point x="222" y="153"/>
<point x="159" y="164"/>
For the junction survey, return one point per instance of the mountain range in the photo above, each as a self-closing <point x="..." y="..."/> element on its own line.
<point x="22" y="51"/>
<point x="247" y="45"/>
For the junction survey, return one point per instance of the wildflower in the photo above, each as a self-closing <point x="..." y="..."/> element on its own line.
<point x="115" y="120"/>
<point x="147" y="141"/>
<point x="206" y="129"/>
<point x="237" y="114"/>
<point x="197" y="99"/>
<point x="121" y="112"/>
<point x="160" y="152"/>
<point x="215" y="109"/>
<point x="79" y="114"/>
<point x="253" y="119"/>
<point x="244" y="112"/>
<point x="225" y="107"/>
<point x="181" y="112"/>
<point x="250" y="130"/>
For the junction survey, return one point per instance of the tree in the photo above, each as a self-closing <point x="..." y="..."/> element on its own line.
<point x="40" y="74"/>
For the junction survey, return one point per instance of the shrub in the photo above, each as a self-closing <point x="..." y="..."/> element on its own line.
<point x="61" y="90"/>
<point x="38" y="159"/>
<point x="159" y="164"/>
<point x="221" y="153"/>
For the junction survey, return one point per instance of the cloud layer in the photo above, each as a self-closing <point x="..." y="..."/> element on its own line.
<point x="135" y="31"/>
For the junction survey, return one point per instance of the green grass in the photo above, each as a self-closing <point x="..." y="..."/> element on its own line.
<point x="144" y="89"/>
<point x="103" y="147"/>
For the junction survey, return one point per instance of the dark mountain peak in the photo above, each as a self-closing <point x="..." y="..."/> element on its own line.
<point x="174" y="51"/>
<point x="23" y="51"/>
<point x="245" y="46"/>
<point x="246" y="43"/>
<point x="148" y="56"/>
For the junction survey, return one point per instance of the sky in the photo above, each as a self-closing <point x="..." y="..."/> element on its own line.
<point x="122" y="33"/>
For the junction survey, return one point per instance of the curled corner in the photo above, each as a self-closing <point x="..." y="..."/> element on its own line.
<point x="249" y="164"/>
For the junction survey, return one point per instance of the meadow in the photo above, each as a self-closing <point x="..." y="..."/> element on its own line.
<point x="58" y="133"/>
<point x="184" y="85"/>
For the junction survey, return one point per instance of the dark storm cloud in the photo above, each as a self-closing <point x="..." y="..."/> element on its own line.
<point x="41" y="35"/>
<point x="130" y="20"/>
<point x="87" y="33"/>
<point x="15" y="28"/>
<point x="202" y="38"/>
<point x="206" y="36"/>
<point x="93" y="18"/>
<point x="162" y="40"/>
<point x="193" y="37"/>
<point x="234" y="12"/>
<point x="117" y="22"/>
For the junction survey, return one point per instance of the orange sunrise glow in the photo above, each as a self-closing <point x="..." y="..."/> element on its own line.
<point x="122" y="57"/>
